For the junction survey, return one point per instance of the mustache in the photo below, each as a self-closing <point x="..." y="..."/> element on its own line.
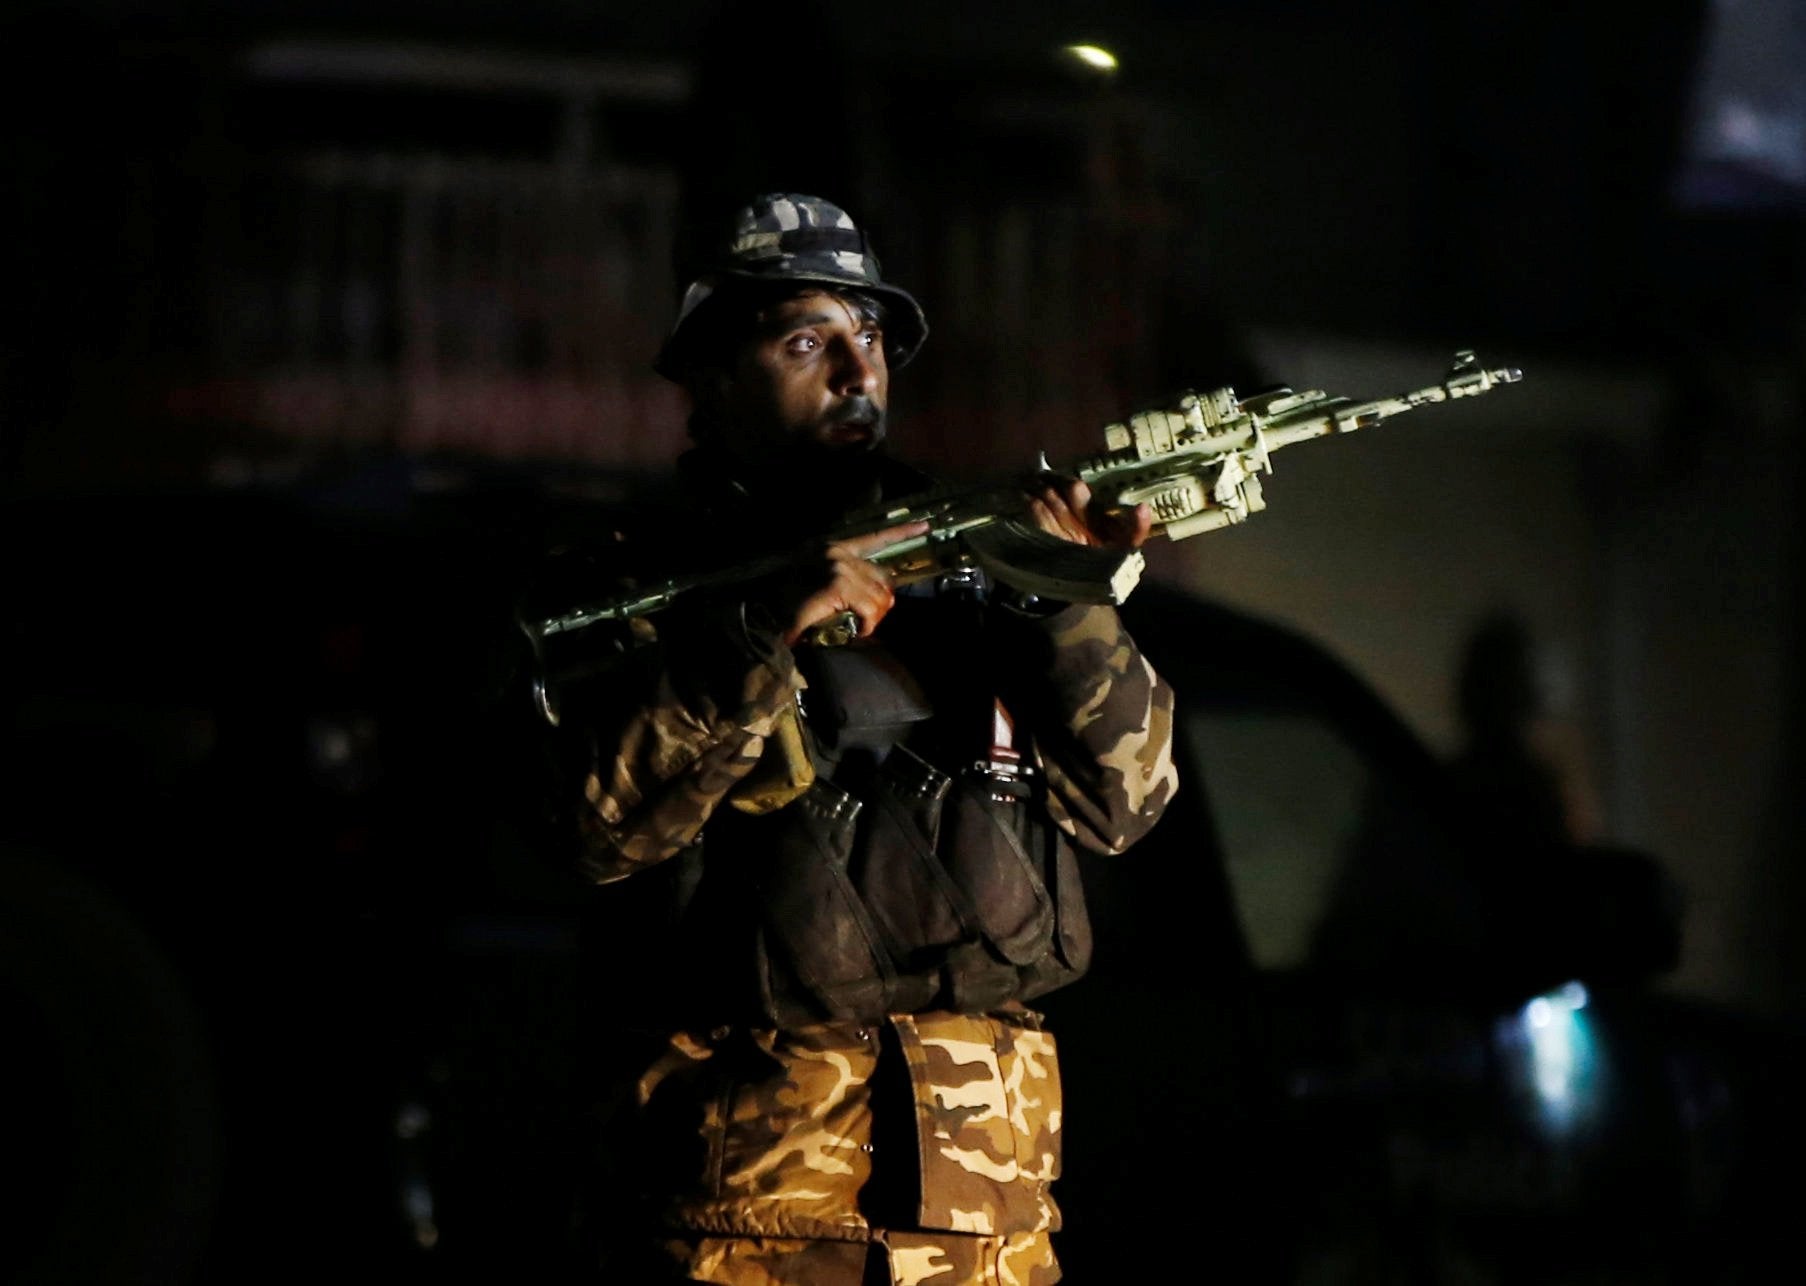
<point x="857" y="409"/>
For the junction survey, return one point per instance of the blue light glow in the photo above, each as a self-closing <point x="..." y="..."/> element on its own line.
<point x="1562" y="1062"/>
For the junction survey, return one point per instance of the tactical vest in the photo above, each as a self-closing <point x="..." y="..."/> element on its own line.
<point x="919" y="870"/>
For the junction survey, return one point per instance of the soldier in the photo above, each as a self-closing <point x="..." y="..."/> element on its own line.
<point x="835" y="875"/>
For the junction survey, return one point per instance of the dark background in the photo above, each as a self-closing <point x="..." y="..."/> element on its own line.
<point x="369" y="252"/>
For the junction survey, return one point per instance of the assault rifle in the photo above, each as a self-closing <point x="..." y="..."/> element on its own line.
<point x="1197" y="466"/>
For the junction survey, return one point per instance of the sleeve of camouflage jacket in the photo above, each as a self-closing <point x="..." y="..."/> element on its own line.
<point x="669" y="733"/>
<point x="1101" y="720"/>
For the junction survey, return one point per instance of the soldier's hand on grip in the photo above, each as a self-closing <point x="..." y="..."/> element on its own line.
<point x="1064" y="507"/>
<point x="835" y="578"/>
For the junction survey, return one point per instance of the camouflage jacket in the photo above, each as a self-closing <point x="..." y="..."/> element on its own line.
<point x="782" y="1107"/>
<point x="1103" y="738"/>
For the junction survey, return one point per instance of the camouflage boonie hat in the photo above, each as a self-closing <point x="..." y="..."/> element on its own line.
<point x="785" y="236"/>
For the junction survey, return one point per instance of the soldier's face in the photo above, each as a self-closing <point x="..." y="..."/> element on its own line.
<point x="811" y="378"/>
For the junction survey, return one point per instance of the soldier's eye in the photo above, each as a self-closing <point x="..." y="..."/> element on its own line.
<point x="802" y="343"/>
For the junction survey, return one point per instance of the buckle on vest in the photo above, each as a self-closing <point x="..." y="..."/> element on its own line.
<point x="1005" y="781"/>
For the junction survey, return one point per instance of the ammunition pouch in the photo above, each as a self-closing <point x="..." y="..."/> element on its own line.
<point x="894" y="885"/>
<point x="927" y="894"/>
<point x="911" y="873"/>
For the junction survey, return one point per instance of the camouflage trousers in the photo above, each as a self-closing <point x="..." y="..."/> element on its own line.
<point x="916" y="1150"/>
<point x="890" y="1259"/>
